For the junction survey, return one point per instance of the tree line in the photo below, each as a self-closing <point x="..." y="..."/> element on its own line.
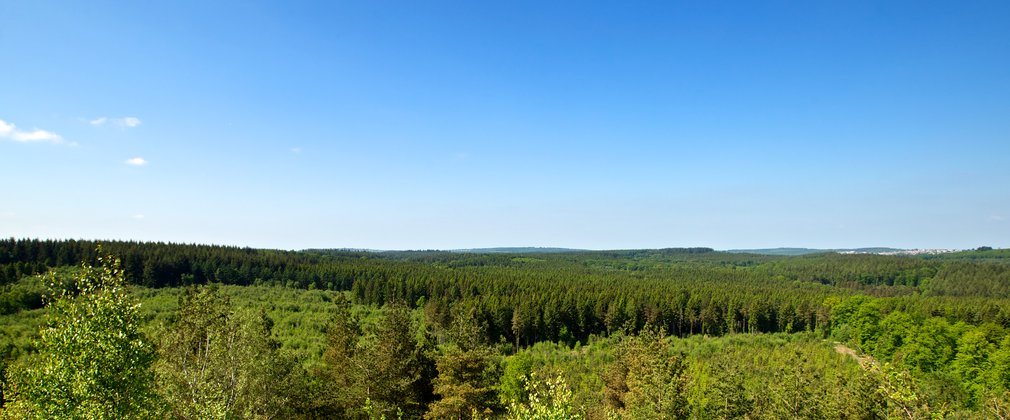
<point x="565" y="296"/>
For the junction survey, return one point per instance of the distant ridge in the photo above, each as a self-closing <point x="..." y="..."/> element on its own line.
<point x="349" y="250"/>
<point x="806" y="251"/>
<point x="784" y="251"/>
<point x="517" y="250"/>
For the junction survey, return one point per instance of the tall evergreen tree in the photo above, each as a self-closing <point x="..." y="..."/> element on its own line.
<point x="468" y="372"/>
<point x="343" y="363"/>
<point x="397" y="369"/>
<point x="646" y="380"/>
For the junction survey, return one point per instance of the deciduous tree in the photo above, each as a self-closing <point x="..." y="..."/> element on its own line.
<point x="93" y="362"/>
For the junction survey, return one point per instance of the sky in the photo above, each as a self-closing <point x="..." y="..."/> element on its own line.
<point x="445" y="125"/>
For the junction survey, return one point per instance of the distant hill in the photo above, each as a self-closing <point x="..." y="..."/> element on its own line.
<point x="518" y="250"/>
<point x="805" y="251"/>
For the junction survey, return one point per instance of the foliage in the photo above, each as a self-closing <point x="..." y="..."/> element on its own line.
<point x="343" y="368"/>
<point x="515" y="375"/>
<point x="468" y="373"/>
<point x="92" y="361"/>
<point x="646" y="380"/>
<point x="637" y="328"/>
<point x="390" y="372"/>
<point x="549" y="399"/>
<point x="217" y="364"/>
<point x="397" y="368"/>
<point x="897" y="388"/>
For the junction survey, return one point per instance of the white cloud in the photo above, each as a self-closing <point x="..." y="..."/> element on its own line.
<point x="138" y="216"/>
<point x="129" y="122"/>
<point x="122" y="123"/>
<point x="137" y="161"/>
<point x="5" y="128"/>
<point x="36" y="135"/>
<point x="296" y="150"/>
<point x="996" y="218"/>
<point x="10" y="131"/>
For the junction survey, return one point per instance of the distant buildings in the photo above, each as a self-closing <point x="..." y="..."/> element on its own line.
<point x="907" y="251"/>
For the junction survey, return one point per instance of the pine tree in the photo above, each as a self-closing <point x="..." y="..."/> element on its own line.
<point x="397" y="368"/>
<point x="468" y="372"/>
<point x="343" y="372"/>
<point x="646" y="380"/>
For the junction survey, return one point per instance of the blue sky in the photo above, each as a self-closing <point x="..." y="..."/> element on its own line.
<point x="407" y="125"/>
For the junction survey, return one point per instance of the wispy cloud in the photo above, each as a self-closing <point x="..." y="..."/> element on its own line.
<point x="996" y="218"/>
<point x="138" y="216"/>
<point x="10" y="131"/>
<point x="122" y="123"/>
<point x="37" y="135"/>
<point x="137" y="161"/>
<point x="296" y="150"/>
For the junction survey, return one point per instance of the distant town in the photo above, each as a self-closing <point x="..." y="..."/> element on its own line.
<point x="930" y="251"/>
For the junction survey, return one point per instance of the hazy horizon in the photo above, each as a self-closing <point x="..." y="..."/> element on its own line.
<point x="470" y="125"/>
<point x="465" y="248"/>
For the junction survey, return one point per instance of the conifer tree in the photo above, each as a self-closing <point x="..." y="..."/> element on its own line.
<point x="646" y="380"/>
<point x="468" y="371"/>
<point x="343" y="370"/>
<point x="397" y="369"/>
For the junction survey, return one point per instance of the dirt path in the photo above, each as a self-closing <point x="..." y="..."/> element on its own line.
<point x="843" y="349"/>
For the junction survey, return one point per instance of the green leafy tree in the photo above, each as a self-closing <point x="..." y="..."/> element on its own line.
<point x="215" y="364"/>
<point x="515" y="376"/>
<point x="866" y="323"/>
<point x="895" y="329"/>
<point x="842" y="313"/>
<point x="931" y="347"/>
<point x="93" y="362"/>
<point x="972" y="362"/>
<point x="999" y="371"/>
<point x="899" y="391"/>
<point x="549" y="399"/>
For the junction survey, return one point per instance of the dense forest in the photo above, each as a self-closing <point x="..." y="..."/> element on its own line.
<point x="130" y="329"/>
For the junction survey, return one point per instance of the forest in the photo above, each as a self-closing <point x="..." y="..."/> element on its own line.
<point x="117" y="329"/>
